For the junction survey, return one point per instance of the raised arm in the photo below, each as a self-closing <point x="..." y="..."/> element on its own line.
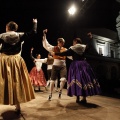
<point x="23" y="36"/>
<point x="45" y="43"/>
<point x="41" y="60"/>
<point x="31" y="54"/>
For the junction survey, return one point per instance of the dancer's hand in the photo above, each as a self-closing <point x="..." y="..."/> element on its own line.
<point x="52" y="53"/>
<point x="32" y="49"/>
<point x="34" y="20"/>
<point x="45" y="31"/>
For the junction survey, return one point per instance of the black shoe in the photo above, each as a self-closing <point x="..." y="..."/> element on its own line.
<point x="18" y="111"/>
<point x="83" y="101"/>
<point x="50" y="97"/>
<point x="60" y="94"/>
<point x="77" y="101"/>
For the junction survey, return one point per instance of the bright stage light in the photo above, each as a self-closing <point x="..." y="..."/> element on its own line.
<point x="72" y="10"/>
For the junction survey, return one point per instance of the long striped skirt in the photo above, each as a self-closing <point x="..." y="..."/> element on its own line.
<point x="82" y="80"/>
<point x="15" y="85"/>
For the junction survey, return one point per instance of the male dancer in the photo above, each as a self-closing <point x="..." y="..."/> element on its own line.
<point x="59" y="65"/>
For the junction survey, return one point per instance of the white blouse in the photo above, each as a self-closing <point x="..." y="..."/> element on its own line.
<point x="39" y="62"/>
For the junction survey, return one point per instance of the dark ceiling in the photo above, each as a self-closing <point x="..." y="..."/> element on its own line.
<point x="53" y="14"/>
<point x="91" y="13"/>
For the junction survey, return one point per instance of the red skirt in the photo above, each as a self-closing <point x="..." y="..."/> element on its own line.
<point x="37" y="77"/>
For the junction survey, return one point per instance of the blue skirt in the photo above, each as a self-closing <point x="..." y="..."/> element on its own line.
<point x="82" y="80"/>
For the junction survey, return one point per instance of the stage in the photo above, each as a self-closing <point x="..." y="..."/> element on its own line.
<point x="97" y="108"/>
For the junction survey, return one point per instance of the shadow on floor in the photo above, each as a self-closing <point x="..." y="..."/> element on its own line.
<point x="11" y="115"/>
<point x="75" y="106"/>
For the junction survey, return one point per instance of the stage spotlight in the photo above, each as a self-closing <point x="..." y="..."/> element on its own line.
<point x="72" y="10"/>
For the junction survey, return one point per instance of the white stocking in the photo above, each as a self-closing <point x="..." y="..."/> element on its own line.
<point x="56" y="84"/>
<point x="51" y="86"/>
<point x="62" y="83"/>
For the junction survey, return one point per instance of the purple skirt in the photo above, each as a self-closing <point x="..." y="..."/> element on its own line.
<point x="82" y="80"/>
